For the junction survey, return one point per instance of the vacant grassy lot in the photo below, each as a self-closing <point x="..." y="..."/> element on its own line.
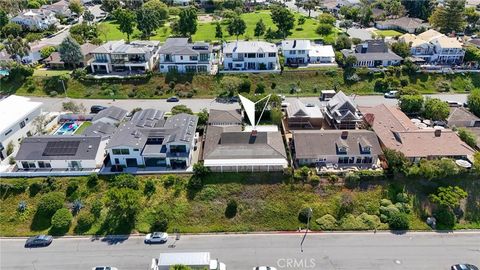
<point x="206" y="31"/>
<point x="50" y="72"/>
<point x="387" y="33"/>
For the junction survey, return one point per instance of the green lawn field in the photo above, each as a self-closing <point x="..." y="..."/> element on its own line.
<point x="387" y="33"/>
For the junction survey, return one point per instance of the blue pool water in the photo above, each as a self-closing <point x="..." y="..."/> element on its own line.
<point x="4" y="72"/>
<point x="67" y="128"/>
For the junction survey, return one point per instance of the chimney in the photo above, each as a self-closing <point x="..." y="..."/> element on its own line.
<point x="344" y="134"/>
<point x="438" y="132"/>
<point x="254" y="133"/>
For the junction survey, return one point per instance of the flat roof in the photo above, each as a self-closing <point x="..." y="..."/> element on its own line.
<point x="14" y="108"/>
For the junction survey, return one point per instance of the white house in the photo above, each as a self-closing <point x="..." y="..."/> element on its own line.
<point x="17" y="114"/>
<point x="178" y="55"/>
<point x="373" y="53"/>
<point x="35" y="19"/>
<point x="118" y="56"/>
<point x="73" y="153"/>
<point x="303" y="52"/>
<point x="250" y="56"/>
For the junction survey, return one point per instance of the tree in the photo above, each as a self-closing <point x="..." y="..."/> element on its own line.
<point x="32" y="4"/>
<point x="50" y="203"/>
<point x="468" y="137"/>
<point x="343" y="42"/>
<point x="17" y="47"/>
<point x="187" y="23"/>
<point x="231" y="209"/>
<point x="151" y="16"/>
<point x="398" y="221"/>
<point x="476" y="163"/>
<point x="401" y="48"/>
<point x="73" y="107"/>
<point x="85" y="221"/>
<point x="309" y="5"/>
<point x="260" y="29"/>
<point x="123" y="203"/>
<point x="449" y="197"/>
<point x="83" y="32"/>
<point x="420" y="8"/>
<point x="324" y="29"/>
<point x="177" y="109"/>
<point x="88" y="16"/>
<point x="450" y="17"/>
<point x="61" y="221"/>
<point x="218" y="31"/>
<point x="236" y="27"/>
<point x="126" y="21"/>
<point x="365" y="13"/>
<point x="326" y="18"/>
<point x="11" y="29"/>
<point x="39" y="123"/>
<point x="436" y="109"/>
<point x="76" y="6"/>
<point x="473" y="102"/>
<point x="284" y="19"/>
<point x="202" y="117"/>
<point x="396" y="160"/>
<point x="47" y="51"/>
<point x="110" y="5"/>
<point x="472" y="16"/>
<point x="411" y="104"/>
<point x="394" y="8"/>
<point x="472" y="54"/>
<point x="70" y="52"/>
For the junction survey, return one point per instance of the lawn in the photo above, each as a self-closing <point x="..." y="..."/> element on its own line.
<point x="49" y="72"/>
<point x="387" y="33"/>
<point x="82" y="127"/>
<point x="206" y="31"/>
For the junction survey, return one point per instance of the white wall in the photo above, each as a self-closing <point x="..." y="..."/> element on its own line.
<point x="123" y="158"/>
<point x="62" y="164"/>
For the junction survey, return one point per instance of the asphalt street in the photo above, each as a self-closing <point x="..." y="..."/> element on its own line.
<point x="383" y="250"/>
<point x="55" y="104"/>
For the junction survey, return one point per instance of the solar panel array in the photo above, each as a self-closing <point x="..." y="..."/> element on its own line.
<point x="61" y="148"/>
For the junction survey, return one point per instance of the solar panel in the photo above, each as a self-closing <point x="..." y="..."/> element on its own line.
<point x="61" y="148"/>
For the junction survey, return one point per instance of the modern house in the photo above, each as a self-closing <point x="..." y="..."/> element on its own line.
<point x="300" y="116"/>
<point x="35" y="19"/>
<point x="101" y="129"/>
<point x="112" y="115"/>
<point x="225" y="118"/>
<point x="178" y="55"/>
<point x="435" y="48"/>
<point x="373" y="53"/>
<point x="54" y="61"/>
<point x="336" y="147"/>
<point x="342" y="113"/>
<point x="72" y="153"/>
<point x="17" y="114"/>
<point x="304" y="52"/>
<point x="395" y="131"/>
<point x="148" y="140"/>
<point x="118" y="56"/>
<point x="247" y="56"/>
<point x="404" y="24"/>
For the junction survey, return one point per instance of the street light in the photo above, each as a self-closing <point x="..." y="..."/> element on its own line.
<point x="310" y="213"/>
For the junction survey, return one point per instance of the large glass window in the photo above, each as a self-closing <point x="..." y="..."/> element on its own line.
<point x="272" y="54"/>
<point x="120" y="152"/>
<point x="204" y="57"/>
<point x="178" y="148"/>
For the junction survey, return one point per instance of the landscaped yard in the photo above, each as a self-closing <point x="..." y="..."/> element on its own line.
<point x="40" y="72"/>
<point x="387" y="33"/>
<point x="82" y="127"/>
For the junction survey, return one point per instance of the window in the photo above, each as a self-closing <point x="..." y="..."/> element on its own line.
<point x="261" y="55"/>
<point x="250" y="55"/>
<point x="193" y="58"/>
<point x="204" y="57"/>
<point x="117" y="161"/>
<point x="202" y="68"/>
<point x="136" y="150"/>
<point x="172" y="68"/>
<point x="8" y="132"/>
<point x="44" y="164"/>
<point x="292" y="52"/>
<point x="272" y="54"/>
<point x="22" y="124"/>
<point x="178" y="148"/>
<point x="229" y="55"/>
<point x="120" y="152"/>
<point x="181" y="57"/>
<point x="343" y="160"/>
<point x="301" y="52"/>
<point x="191" y="69"/>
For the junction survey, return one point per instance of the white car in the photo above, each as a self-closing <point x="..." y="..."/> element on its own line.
<point x="391" y="94"/>
<point x="156" y="237"/>
<point x="104" y="268"/>
<point x="264" y="268"/>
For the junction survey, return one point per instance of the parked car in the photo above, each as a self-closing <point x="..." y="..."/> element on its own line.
<point x="264" y="268"/>
<point x="156" y="237"/>
<point x="104" y="268"/>
<point x="453" y="103"/>
<point x="173" y="99"/>
<point x="97" y="108"/>
<point x="464" y="267"/>
<point x="391" y="94"/>
<point x="39" y="241"/>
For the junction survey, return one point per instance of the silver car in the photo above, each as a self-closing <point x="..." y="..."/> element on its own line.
<point x="156" y="237"/>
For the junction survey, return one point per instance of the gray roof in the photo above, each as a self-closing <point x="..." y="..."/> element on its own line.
<point x="148" y="118"/>
<point x="112" y="112"/>
<point x="373" y="56"/>
<point x="249" y="47"/>
<point x="230" y="142"/>
<point x="406" y="23"/>
<point x="99" y="129"/>
<point x="315" y="143"/>
<point x="297" y="109"/>
<point x="120" y="47"/>
<point x="182" y="46"/>
<point x="342" y="107"/>
<point x="296" y="44"/>
<point x="461" y="117"/>
<point x="224" y="116"/>
<point x="52" y="147"/>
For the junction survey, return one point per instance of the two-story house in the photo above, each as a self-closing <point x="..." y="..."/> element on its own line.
<point x="118" y="56"/>
<point x="304" y="52"/>
<point x="373" y="53"/>
<point x="342" y="113"/>
<point x="35" y="19"/>
<point x="178" y="55"/>
<point x="148" y="140"/>
<point x="250" y="56"/>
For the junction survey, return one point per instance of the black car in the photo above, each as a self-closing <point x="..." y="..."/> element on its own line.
<point x="173" y="99"/>
<point x="97" y="108"/>
<point x="464" y="267"/>
<point x="39" y="241"/>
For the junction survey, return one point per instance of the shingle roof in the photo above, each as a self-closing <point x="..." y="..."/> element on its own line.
<point x="112" y="112"/>
<point x="297" y="109"/>
<point x="461" y="117"/>
<point x="224" y="116"/>
<point x="99" y="129"/>
<point x="404" y="23"/>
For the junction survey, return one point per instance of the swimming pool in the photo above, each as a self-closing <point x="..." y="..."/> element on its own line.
<point x="68" y="128"/>
<point x="4" y="72"/>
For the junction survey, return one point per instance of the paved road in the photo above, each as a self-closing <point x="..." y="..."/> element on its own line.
<point x="55" y="104"/>
<point x="413" y="251"/>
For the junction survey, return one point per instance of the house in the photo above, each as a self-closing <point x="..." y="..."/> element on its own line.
<point x="73" y="153"/>
<point x="434" y="47"/>
<point x="250" y="56"/>
<point x="118" y="56"/>
<point x="112" y="115"/>
<point x="342" y="113"/>
<point x="225" y="118"/>
<point x="54" y="61"/>
<point x="300" y="116"/>
<point x="474" y="42"/>
<point x="18" y="114"/>
<point x="404" y="24"/>
<point x="178" y="55"/>
<point x="35" y="19"/>
<point x="462" y="117"/>
<point x="304" y="52"/>
<point x="59" y="8"/>
<point x="336" y="147"/>
<point x="5" y="57"/>
<point x="373" y="53"/>
<point x="395" y="131"/>
<point x="102" y="129"/>
<point x="148" y="140"/>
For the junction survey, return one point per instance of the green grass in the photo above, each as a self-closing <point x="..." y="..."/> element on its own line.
<point x="206" y="31"/>
<point x="49" y="72"/>
<point x="388" y="33"/>
<point x="82" y="127"/>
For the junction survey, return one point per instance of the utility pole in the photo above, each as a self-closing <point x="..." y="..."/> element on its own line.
<point x="310" y="213"/>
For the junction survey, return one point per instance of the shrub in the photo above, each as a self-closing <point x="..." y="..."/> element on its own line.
<point x="96" y="209"/>
<point x="149" y="188"/>
<point x="402" y="197"/>
<point x="327" y="222"/>
<point x="61" y="221"/>
<point x="34" y="188"/>
<point x="159" y="225"/>
<point x="50" y="203"/>
<point x="260" y="88"/>
<point x="92" y="180"/>
<point x="385" y="202"/>
<point x="195" y="183"/>
<point x="245" y="86"/>
<point x="71" y="189"/>
<point x="85" y="221"/>
<point x="169" y="181"/>
<point x="445" y="217"/>
<point x="314" y="180"/>
<point x="370" y="221"/>
<point x="231" y="210"/>
<point x="398" y="221"/>
<point x="350" y="222"/>
<point x="468" y="137"/>
<point x="304" y="215"/>
<point x="126" y="181"/>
